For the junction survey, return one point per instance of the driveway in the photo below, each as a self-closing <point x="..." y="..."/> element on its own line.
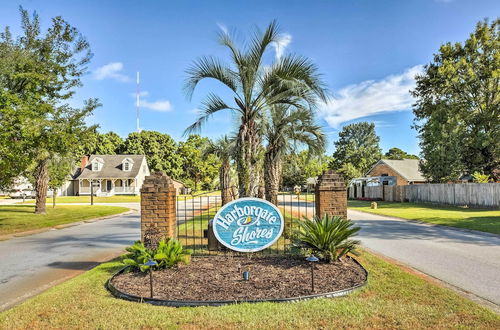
<point x="31" y="264"/>
<point x="465" y="259"/>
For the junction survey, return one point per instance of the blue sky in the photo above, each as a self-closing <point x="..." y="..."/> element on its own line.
<point x="368" y="52"/>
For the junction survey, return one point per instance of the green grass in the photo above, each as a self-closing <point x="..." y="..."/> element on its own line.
<point x="19" y="218"/>
<point x="469" y="218"/>
<point x="393" y="299"/>
<point x="112" y="199"/>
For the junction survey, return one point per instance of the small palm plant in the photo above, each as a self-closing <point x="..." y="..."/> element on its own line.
<point x="167" y="254"/>
<point x="327" y="237"/>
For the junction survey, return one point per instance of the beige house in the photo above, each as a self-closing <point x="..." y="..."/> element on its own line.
<point x="111" y="175"/>
<point x="405" y="171"/>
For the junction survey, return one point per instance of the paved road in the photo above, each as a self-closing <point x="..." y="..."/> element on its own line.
<point x="468" y="260"/>
<point x="31" y="264"/>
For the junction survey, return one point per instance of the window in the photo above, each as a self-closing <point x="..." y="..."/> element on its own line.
<point x="95" y="166"/>
<point x="126" y="166"/>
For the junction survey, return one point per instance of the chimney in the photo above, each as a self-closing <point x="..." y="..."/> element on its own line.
<point x="84" y="162"/>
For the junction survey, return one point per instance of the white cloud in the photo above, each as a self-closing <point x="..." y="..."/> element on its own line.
<point x="284" y="40"/>
<point x="112" y="71"/>
<point x="141" y="94"/>
<point x="370" y="98"/>
<point x="160" y="105"/>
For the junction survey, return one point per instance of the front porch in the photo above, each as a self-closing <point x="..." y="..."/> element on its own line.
<point x="108" y="187"/>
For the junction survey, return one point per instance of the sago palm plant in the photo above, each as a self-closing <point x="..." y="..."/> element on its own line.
<point x="255" y="86"/>
<point x="328" y="237"/>
<point x="287" y="128"/>
<point x="167" y="254"/>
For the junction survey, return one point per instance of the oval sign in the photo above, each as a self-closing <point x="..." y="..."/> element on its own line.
<point x="248" y="224"/>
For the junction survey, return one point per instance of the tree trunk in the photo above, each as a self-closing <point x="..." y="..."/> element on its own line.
<point x="41" y="185"/>
<point x="247" y="159"/>
<point x="272" y="174"/>
<point x="225" y="182"/>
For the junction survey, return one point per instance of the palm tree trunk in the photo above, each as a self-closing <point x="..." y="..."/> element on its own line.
<point x="225" y="182"/>
<point x="272" y="170"/>
<point x="41" y="185"/>
<point x="247" y="159"/>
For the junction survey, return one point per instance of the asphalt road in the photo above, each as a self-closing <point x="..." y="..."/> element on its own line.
<point x="31" y="264"/>
<point x="465" y="259"/>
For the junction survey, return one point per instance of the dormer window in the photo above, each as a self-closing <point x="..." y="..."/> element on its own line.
<point x="97" y="164"/>
<point x="127" y="164"/>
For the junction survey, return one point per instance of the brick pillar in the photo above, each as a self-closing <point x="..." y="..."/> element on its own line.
<point x="158" y="202"/>
<point x="331" y="195"/>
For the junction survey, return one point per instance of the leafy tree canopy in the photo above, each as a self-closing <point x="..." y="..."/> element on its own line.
<point x="457" y="112"/>
<point x="358" y="145"/>
<point x="200" y="169"/>
<point x="396" y="153"/>
<point x="160" y="151"/>
<point x="298" y="167"/>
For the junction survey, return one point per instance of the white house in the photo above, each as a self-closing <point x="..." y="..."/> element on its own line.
<point x="111" y="175"/>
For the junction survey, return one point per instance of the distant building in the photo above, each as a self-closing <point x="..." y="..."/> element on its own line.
<point x="405" y="171"/>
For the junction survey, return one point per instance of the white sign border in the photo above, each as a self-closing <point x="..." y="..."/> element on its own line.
<point x="282" y="227"/>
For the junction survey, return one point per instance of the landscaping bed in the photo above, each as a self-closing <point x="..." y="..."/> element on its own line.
<point x="219" y="278"/>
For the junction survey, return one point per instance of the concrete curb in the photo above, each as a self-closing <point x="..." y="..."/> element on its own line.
<point x="59" y="227"/>
<point x="420" y="222"/>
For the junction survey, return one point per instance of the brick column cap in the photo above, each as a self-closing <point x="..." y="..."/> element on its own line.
<point x="156" y="182"/>
<point x="330" y="180"/>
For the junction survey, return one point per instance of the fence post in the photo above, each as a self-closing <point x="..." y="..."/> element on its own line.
<point x="158" y="203"/>
<point x="331" y="195"/>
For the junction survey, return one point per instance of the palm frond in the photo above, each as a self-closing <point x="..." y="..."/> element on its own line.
<point x="209" y="67"/>
<point x="210" y="105"/>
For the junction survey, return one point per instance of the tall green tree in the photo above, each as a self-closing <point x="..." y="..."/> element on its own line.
<point x="224" y="149"/>
<point x="286" y="129"/>
<point x="255" y="86"/>
<point x="298" y="167"/>
<point x="36" y="92"/>
<point x="160" y="150"/>
<point x="457" y="109"/>
<point x="398" y="154"/>
<point x="199" y="168"/>
<point x="96" y="143"/>
<point x="356" y="150"/>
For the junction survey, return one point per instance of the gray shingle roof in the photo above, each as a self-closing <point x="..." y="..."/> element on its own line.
<point x="407" y="168"/>
<point x="112" y="168"/>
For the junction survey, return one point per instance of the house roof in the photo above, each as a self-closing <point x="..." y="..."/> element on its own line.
<point x="407" y="168"/>
<point x="112" y="167"/>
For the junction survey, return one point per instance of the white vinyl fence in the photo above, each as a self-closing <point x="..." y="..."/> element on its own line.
<point x="459" y="194"/>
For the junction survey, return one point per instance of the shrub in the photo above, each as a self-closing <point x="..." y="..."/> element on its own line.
<point x="327" y="237"/>
<point x="167" y="254"/>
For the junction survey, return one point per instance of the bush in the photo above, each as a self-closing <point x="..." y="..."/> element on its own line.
<point x="167" y="254"/>
<point x="328" y="237"/>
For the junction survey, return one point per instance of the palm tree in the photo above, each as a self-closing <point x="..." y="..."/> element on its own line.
<point x="287" y="128"/>
<point x="254" y="87"/>
<point x="224" y="149"/>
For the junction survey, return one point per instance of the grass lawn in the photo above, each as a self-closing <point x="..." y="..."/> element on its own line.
<point x="393" y="299"/>
<point x="19" y="218"/>
<point x="111" y="199"/>
<point x="477" y="219"/>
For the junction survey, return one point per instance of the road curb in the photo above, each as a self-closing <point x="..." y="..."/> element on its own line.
<point x="471" y="231"/>
<point x="59" y="227"/>
<point x="436" y="281"/>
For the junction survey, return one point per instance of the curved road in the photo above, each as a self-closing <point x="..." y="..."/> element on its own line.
<point x="31" y="264"/>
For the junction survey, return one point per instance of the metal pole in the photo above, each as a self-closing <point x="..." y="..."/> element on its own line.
<point x="91" y="192"/>
<point x="151" y="280"/>
<point x="312" y="277"/>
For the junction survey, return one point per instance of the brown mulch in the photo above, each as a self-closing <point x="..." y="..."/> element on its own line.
<point x="220" y="278"/>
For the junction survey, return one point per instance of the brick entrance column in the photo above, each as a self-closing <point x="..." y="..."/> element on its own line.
<point x="331" y="195"/>
<point x="158" y="202"/>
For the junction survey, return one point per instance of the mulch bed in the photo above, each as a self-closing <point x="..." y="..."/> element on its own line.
<point x="220" y="278"/>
